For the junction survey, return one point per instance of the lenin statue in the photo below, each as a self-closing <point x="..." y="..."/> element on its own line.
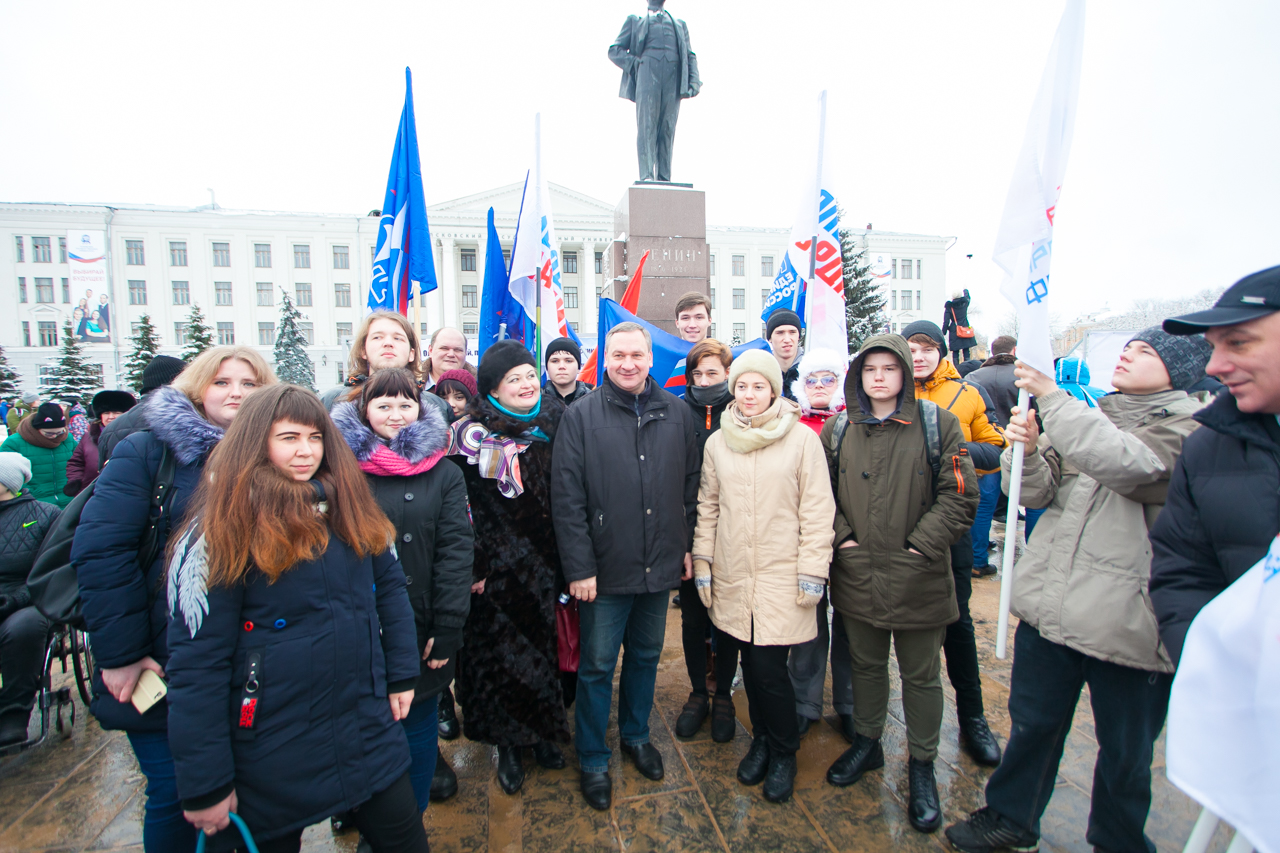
<point x="658" y="70"/>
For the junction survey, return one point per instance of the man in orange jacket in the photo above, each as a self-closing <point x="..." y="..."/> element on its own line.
<point x="937" y="380"/>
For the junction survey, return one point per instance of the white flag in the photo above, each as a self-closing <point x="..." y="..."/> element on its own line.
<point x="1223" y="746"/>
<point x="1024" y="245"/>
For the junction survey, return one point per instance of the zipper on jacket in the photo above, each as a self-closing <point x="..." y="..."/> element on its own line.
<point x="249" y="695"/>
<point x="708" y="417"/>
<point x="955" y="466"/>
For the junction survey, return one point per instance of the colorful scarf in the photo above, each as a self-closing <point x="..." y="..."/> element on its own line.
<point x="496" y="455"/>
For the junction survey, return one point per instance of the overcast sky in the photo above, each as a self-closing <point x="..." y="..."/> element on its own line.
<point x="1173" y="184"/>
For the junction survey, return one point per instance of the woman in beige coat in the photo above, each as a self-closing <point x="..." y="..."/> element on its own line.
<point x="761" y="554"/>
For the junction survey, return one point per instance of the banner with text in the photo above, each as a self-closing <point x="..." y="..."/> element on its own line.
<point x="87" y="258"/>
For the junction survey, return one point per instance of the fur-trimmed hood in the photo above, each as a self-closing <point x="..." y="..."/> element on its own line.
<point x="999" y="359"/>
<point x="426" y="436"/>
<point x="174" y="420"/>
<point x="548" y="420"/>
<point x="814" y="361"/>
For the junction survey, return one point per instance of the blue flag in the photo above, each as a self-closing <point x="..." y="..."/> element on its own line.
<point x="668" y="351"/>
<point x="498" y="307"/>
<point x="403" y="265"/>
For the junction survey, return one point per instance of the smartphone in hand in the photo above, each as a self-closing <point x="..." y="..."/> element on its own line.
<point x="150" y="690"/>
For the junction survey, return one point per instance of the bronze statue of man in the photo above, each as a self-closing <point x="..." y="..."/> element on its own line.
<point x="658" y="71"/>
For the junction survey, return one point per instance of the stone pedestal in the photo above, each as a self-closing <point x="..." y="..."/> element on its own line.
<point x="670" y="222"/>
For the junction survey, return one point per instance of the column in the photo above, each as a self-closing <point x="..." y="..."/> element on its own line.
<point x="449" y="286"/>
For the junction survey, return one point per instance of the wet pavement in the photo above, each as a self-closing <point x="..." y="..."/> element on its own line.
<point x="84" y="792"/>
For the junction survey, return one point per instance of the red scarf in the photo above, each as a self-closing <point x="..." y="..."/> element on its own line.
<point x="384" y="462"/>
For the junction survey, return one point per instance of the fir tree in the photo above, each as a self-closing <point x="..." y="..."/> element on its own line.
<point x="8" y="379"/>
<point x="75" y="380"/>
<point x="863" y="300"/>
<point x="146" y="346"/>
<point x="199" y="336"/>
<point x="292" y="363"/>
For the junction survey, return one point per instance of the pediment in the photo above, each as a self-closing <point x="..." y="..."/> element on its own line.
<point x="505" y="202"/>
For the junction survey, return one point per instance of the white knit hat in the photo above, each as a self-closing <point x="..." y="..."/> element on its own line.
<point x="757" y="361"/>
<point x="816" y="361"/>
<point x="15" y="471"/>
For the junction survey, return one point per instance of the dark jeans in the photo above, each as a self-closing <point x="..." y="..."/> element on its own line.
<point x="164" y="828"/>
<point x="390" y="820"/>
<point x="23" y="637"/>
<point x="635" y="624"/>
<point x="961" y="648"/>
<point x="989" y="487"/>
<point x="694" y="624"/>
<point x="771" y="700"/>
<point x="1128" y="712"/>
<point x="808" y="667"/>
<point x="424" y="742"/>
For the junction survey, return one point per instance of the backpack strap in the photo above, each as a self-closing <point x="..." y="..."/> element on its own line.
<point x="161" y="487"/>
<point x="837" y="433"/>
<point x="932" y="436"/>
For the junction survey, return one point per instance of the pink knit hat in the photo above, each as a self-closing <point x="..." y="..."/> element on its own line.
<point x="462" y="377"/>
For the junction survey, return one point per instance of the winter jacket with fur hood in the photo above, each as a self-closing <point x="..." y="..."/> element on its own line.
<point x="433" y="533"/>
<point x="764" y="518"/>
<point x="1082" y="582"/>
<point x="887" y="502"/>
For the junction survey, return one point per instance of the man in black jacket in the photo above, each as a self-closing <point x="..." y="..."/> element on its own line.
<point x="1223" y="509"/>
<point x="624" y="492"/>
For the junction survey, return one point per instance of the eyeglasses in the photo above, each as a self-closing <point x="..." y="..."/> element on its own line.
<point x="815" y="381"/>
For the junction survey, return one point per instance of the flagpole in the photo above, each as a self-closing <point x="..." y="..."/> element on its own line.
<point x="537" y="189"/>
<point x="1011" y="532"/>
<point x="817" y="183"/>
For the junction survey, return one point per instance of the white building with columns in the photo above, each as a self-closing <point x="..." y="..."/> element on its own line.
<point x="234" y="264"/>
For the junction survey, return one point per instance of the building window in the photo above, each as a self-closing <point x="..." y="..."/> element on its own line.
<point x="66" y="292"/>
<point x="180" y="334"/>
<point x="134" y="255"/>
<point x="919" y="301"/>
<point x="711" y="333"/>
<point x="177" y="253"/>
<point x="895" y="328"/>
<point x="764" y="295"/>
<point x="571" y="263"/>
<point x="344" y="331"/>
<point x="713" y="298"/>
<point x="739" y="264"/>
<point x="712" y="258"/>
<point x="22" y="288"/>
<point x="739" y="298"/>
<point x="302" y="257"/>
<point x="739" y="332"/>
<point x="308" y="332"/>
<point x="304" y="293"/>
<point x="422" y="331"/>
<point x="470" y="330"/>
<point x="341" y="258"/>
<point x="137" y="293"/>
<point x="26" y="330"/>
<point x="468" y="260"/>
<point x="48" y="331"/>
<point x="599" y="263"/>
<point x="764" y="330"/>
<point x="506" y="257"/>
<point x="262" y="255"/>
<point x="264" y="293"/>
<point x="266" y="334"/>
<point x="571" y="297"/>
<point x="40" y="251"/>
<point x="19" y="248"/>
<point x="342" y="295"/>
<point x="893" y="300"/>
<point x="766" y="266"/>
<point x="226" y="334"/>
<point x="222" y="255"/>
<point x="895" y="268"/>
<point x="373" y="255"/>
<point x="470" y="297"/>
<point x="598" y="291"/>
<point x="906" y="269"/>
<point x="181" y="293"/>
<point x="919" y="263"/>
<point x="62" y="250"/>
<point x="44" y="290"/>
<point x="222" y="293"/>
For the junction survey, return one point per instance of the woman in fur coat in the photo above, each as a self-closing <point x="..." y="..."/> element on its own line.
<point x="508" y="680"/>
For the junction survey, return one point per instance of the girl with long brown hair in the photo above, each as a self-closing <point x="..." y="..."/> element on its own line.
<point x="291" y="639"/>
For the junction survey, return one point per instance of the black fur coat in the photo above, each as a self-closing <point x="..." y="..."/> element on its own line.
<point x="508" y="680"/>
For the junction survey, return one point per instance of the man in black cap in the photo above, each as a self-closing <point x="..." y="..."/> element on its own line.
<point x="1223" y="509"/>
<point x="564" y="360"/>
<point x="782" y="331"/>
<point x="161" y="370"/>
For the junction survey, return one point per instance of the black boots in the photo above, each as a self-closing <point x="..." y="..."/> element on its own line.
<point x="647" y="759"/>
<point x="923" y="809"/>
<point x="447" y="717"/>
<point x="444" y="784"/>
<point x="781" y="780"/>
<point x="724" y="719"/>
<point x="510" y="769"/>
<point x="846" y="726"/>
<point x="803" y="723"/>
<point x="755" y="764"/>
<point x="692" y="715"/>
<point x="979" y="742"/>
<point x="864" y="755"/>
<point x="597" y="790"/>
<point x="13" y="727"/>
<point x="548" y="755"/>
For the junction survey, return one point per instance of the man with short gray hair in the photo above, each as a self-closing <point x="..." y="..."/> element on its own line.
<point x="624" y="491"/>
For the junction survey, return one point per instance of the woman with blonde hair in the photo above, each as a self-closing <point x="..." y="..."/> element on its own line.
<point x="384" y="339"/>
<point x="119" y="585"/>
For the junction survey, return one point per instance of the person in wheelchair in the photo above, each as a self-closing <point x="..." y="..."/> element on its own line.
<point x="24" y="631"/>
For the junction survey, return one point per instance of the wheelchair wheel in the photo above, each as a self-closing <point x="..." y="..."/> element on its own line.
<point x="82" y="661"/>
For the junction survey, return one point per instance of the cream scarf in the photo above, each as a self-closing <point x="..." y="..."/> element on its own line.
<point x="744" y="435"/>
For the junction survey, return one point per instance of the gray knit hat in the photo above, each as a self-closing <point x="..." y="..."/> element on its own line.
<point x="1184" y="356"/>
<point x="15" y="471"/>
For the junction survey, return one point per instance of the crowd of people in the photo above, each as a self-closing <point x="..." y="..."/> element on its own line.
<point x="339" y="579"/>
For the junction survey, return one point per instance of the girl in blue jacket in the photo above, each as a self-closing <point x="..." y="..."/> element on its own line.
<point x="292" y="646"/>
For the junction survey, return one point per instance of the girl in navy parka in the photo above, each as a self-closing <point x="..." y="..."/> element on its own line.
<point x="292" y="647"/>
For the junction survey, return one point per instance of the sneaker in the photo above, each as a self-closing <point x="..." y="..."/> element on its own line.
<point x="984" y="571"/>
<point x="978" y="740"/>
<point x="986" y="831"/>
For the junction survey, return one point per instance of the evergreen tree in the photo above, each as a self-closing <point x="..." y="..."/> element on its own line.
<point x="75" y="380"/>
<point x="146" y="346"/>
<point x="199" y="335"/>
<point x="863" y="299"/>
<point x="8" y="379"/>
<point x="292" y="363"/>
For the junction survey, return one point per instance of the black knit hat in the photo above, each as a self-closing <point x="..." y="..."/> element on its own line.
<point x="1184" y="356"/>
<point x="161" y="370"/>
<point x="925" y="327"/>
<point x="497" y="360"/>
<point x="782" y="317"/>
<point x="112" y="401"/>
<point x="49" y="416"/>
<point x="564" y="345"/>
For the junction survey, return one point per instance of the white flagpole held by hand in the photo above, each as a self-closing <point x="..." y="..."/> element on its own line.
<point x="1010" y="536"/>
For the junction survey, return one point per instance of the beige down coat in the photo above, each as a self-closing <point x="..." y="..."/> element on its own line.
<point x="1082" y="582"/>
<point x="765" y="512"/>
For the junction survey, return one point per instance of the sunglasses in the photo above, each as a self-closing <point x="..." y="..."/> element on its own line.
<point x="815" y="381"/>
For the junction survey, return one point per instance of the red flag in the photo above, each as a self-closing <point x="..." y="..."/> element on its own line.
<point x="630" y="300"/>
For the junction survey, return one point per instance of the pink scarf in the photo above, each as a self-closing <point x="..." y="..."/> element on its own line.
<point x="385" y="463"/>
